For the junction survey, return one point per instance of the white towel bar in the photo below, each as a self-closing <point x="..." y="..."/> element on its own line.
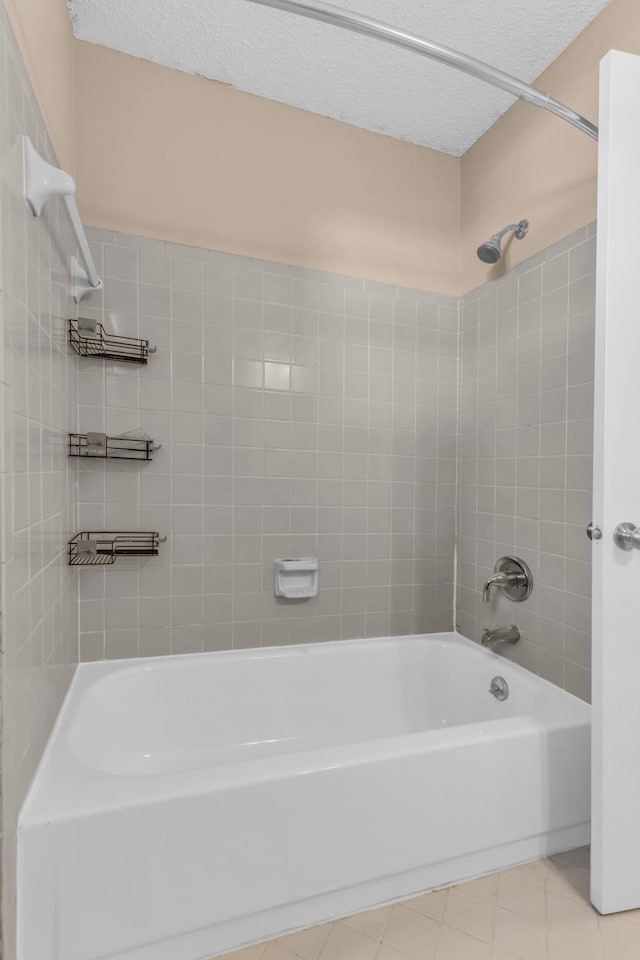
<point x="43" y="181"/>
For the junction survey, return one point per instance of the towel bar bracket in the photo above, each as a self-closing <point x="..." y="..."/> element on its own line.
<point x="42" y="180"/>
<point x="80" y="283"/>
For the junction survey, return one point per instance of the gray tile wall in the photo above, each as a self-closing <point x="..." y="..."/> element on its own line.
<point x="525" y="454"/>
<point x="38" y="405"/>
<point x="302" y="413"/>
<point x="299" y="414"/>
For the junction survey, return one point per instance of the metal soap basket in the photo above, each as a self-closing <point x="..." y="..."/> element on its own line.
<point x="102" y="548"/>
<point x="90" y="339"/>
<point x="103" y="447"/>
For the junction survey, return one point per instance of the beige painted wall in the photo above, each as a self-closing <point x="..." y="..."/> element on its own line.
<point x="307" y="190"/>
<point x="531" y="164"/>
<point x="45" y="40"/>
<point x="176" y="157"/>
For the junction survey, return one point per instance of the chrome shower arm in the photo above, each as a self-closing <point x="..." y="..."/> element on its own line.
<point x="520" y="229"/>
<point x="368" y="27"/>
<point x="505" y="230"/>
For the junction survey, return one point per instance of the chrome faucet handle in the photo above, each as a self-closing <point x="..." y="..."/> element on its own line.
<point x="512" y="577"/>
<point x="496" y="580"/>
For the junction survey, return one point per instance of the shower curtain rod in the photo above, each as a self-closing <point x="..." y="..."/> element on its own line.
<point x="368" y="27"/>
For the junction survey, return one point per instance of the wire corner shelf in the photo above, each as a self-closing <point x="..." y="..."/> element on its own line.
<point x="104" y="547"/>
<point x="88" y="338"/>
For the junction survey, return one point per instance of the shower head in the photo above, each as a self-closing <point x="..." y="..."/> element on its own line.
<point x="490" y="252"/>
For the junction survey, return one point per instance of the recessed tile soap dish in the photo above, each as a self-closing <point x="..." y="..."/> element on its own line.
<point x="296" y="578"/>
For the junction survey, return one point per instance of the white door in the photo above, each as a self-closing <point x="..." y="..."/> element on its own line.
<point x="615" y="871"/>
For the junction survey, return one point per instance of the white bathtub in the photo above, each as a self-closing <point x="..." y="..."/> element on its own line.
<point x="189" y="805"/>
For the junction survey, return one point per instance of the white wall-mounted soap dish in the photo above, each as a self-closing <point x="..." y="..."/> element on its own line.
<point x="296" y="578"/>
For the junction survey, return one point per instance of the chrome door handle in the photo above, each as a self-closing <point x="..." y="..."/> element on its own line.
<point x="594" y="533"/>
<point x="627" y="536"/>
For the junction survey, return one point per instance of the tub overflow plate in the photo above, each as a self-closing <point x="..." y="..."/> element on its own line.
<point x="499" y="688"/>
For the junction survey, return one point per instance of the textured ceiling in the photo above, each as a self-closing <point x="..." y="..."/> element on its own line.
<point x="338" y="74"/>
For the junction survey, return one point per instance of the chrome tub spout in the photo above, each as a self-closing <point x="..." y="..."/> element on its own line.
<point x="493" y="636"/>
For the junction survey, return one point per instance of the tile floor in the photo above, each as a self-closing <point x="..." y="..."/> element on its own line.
<point x="539" y="911"/>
